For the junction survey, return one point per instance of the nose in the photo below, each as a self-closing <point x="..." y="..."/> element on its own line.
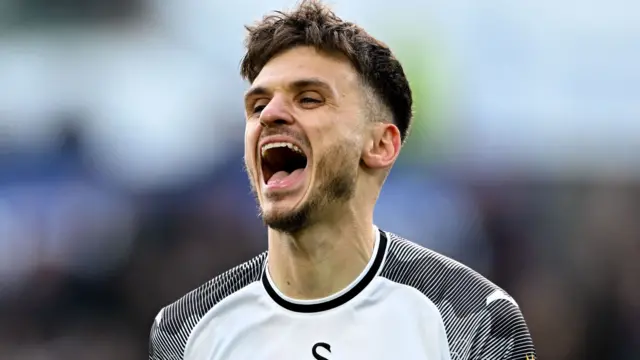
<point x="276" y="113"/>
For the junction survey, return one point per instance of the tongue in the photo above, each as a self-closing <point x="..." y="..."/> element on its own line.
<point x="283" y="178"/>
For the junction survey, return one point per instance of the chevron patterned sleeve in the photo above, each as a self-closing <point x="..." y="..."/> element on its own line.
<point x="152" y="336"/>
<point x="505" y="335"/>
<point x="173" y="324"/>
<point x="161" y="347"/>
<point x="167" y="339"/>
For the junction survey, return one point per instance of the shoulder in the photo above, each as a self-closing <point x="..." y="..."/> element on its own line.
<point x="174" y="322"/>
<point x="440" y="278"/>
<point x="473" y="309"/>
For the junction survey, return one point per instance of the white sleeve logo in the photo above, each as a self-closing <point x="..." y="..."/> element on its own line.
<point x="159" y="316"/>
<point x="497" y="295"/>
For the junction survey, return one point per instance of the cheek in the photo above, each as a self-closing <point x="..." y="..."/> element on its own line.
<point x="328" y="138"/>
<point x="250" y="161"/>
<point x="324" y="135"/>
<point x="250" y="140"/>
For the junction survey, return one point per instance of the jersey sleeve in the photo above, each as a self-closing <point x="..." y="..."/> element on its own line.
<point x="154" y="339"/>
<point x="152" y="336"/>
<point x="505" y="335"/>
<point x="163" y="345"/>
<point x="444" y="350"/>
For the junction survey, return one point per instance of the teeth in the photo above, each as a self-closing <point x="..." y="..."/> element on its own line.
<point x="279" y="145"/>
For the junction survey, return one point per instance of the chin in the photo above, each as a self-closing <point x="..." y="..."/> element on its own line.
<point x="290" y="212"/>
<point x="286" y="218"/>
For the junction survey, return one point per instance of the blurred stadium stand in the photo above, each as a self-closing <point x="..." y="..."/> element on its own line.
<point x="121" y="181"/>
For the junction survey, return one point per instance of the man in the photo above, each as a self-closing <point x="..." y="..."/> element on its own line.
<point x="326" y="114"/>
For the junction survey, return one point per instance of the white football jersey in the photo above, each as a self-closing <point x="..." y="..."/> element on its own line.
<point x="408" y="303"/>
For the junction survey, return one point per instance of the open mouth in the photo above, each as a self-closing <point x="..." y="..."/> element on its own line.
<point x="281" y="160"/>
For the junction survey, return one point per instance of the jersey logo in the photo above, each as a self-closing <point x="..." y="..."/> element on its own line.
<point x="530" y="357"/>
<point x="500" y="295"/>
<point x="325" y="346"/>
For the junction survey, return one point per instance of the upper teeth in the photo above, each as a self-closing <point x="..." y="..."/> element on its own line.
<point x="291" y="146"/>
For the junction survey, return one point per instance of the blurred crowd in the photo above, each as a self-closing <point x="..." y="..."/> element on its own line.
<point x="122" y="186"/>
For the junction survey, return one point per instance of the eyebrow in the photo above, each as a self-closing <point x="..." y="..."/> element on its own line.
<point x="297" y="85"/>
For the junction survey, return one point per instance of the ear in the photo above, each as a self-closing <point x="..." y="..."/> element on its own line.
<point x="383" y="147"/>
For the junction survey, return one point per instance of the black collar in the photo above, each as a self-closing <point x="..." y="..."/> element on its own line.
<point x="340" y="300"/>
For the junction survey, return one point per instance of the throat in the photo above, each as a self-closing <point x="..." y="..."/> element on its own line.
<point x="309" y="284"/>
<point x="313" y="269"/>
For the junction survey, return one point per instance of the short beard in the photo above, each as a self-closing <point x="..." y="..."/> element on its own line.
<point x="292" y="222"/>
<point x="337" y="172"/>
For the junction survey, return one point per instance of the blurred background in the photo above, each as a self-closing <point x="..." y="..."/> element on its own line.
<point x="121" y="181"/>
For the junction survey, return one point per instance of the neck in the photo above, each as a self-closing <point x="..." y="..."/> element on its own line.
<point x="322" y="259"/>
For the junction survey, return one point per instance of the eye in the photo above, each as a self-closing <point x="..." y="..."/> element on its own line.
<point x="259" y="105"/>
<point x="310" y="99"/>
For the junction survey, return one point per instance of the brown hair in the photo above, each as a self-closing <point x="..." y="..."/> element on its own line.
<point x="313" y="24"/>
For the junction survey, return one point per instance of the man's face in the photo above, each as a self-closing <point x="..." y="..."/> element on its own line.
<point x="303" y="136"/>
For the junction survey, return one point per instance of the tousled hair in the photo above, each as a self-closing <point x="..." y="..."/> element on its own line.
<point x="313" y="24"/>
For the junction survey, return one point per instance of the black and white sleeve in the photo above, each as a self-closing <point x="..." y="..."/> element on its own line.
<point x="504" y="334"/>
